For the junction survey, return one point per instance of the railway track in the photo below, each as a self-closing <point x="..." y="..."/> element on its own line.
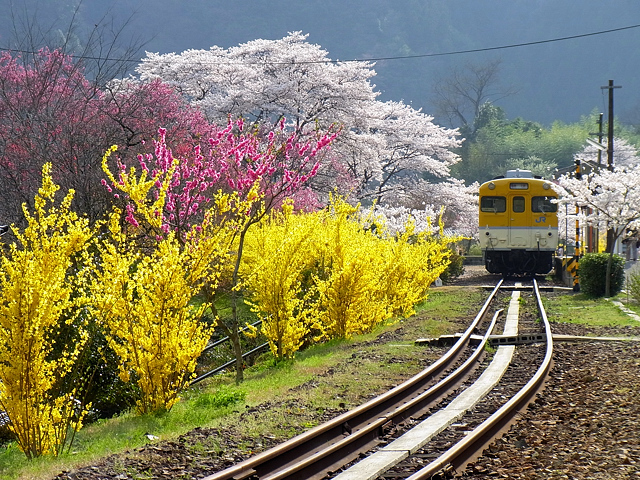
<point x="374" y="429"/>
<point x="491" y="417"/>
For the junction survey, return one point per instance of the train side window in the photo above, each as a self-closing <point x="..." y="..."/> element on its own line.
<point x="543" y="204"/>
<point x="493" y="204"/>
<point x="518" y="204"/>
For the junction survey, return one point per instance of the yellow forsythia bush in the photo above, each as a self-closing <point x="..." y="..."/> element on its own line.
<point x="144" y="296"/>
<point x="329" y="274"/>
<point x="42" y="282"/>
<point x="351" y="300"/>
<point x="144" y="301"/>
<point x="277" y="254"/>
<point x="412" y="262"/>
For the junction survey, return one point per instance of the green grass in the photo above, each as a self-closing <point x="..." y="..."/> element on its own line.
<point x="125" y="432"/>
<point x="630" y="304"/>
<point x="581" y="309"/>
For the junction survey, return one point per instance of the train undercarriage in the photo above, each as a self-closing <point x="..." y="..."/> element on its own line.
<point x="518" y="261"/>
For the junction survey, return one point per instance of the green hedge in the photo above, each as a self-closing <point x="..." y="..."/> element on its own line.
<point x="592" y="271"/>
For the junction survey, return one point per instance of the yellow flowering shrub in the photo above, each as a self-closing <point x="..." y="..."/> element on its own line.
<point x="335" y="273"/>
<point x="144" y="295"/>
<point x="144" y="301"/>
<point x="42" y="281"/>
<point x="138" y="188"/>
<point x="412" y="262"/>
<point x="350" y="299"/>
<point x="278" y="252"/>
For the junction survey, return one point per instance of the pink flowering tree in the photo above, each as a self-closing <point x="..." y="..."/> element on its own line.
<point x="252" y="170"/>
<point x="232" y="160"/>
<point x="32" y="99"/>
<point x="50" y="112"/>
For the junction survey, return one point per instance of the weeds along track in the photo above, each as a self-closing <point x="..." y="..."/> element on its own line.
<point x="331" y="449"/>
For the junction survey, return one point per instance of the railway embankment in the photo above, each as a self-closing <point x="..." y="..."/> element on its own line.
<point x="585" y="425"/>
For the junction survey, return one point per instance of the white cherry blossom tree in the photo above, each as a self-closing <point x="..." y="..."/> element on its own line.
<point x="381" y="143"/>
<point x="396" y="218"/>
<point x="411" y="145"/>
<point x="624" y="154"/>
<point x="613" y="197"/>
<point x="459" y="200"/>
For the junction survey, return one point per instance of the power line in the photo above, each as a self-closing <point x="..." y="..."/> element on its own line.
<point x="375" y="59"/>
<point x="503" y="47"/>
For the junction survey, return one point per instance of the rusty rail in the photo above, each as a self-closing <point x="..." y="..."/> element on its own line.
<point x="475" y="442"/>
<point x="311" y="454"/>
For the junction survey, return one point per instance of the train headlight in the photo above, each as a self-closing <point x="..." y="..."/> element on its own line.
<point x="492" y="186"/>
<point x="546" y="186"/>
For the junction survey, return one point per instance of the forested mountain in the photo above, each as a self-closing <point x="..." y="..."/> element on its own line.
<point x="558" y="80"/>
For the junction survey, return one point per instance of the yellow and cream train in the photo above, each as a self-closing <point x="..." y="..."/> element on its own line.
<point x="518" y="224"/>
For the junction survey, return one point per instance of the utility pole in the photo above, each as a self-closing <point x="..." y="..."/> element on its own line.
<point x="610" y="87"/>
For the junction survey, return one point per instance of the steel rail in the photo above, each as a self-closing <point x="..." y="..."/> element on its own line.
<point x="226" y="339"/>
<point x="307" y="468"/>
<point x="230" y="363"/>
<point x="312" y="453"/>
<point x="477" y="440"/>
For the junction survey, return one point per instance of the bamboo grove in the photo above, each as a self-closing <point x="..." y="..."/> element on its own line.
<point x="144" y="276"/>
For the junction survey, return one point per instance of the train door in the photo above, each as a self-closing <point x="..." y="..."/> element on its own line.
<point x="519" y="221"/>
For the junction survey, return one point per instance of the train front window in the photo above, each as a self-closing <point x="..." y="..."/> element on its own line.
<point x="543" y="204"/>
<point x="518" y="204"/>
<point x="493" y="204"/>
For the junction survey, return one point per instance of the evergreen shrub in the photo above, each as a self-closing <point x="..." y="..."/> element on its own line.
<point x="593" y="274"/>
<point x="475" y="249"/>
<point x="455" y="268"/>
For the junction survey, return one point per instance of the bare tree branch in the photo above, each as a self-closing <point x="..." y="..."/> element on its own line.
<point x="462" y="91"/>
